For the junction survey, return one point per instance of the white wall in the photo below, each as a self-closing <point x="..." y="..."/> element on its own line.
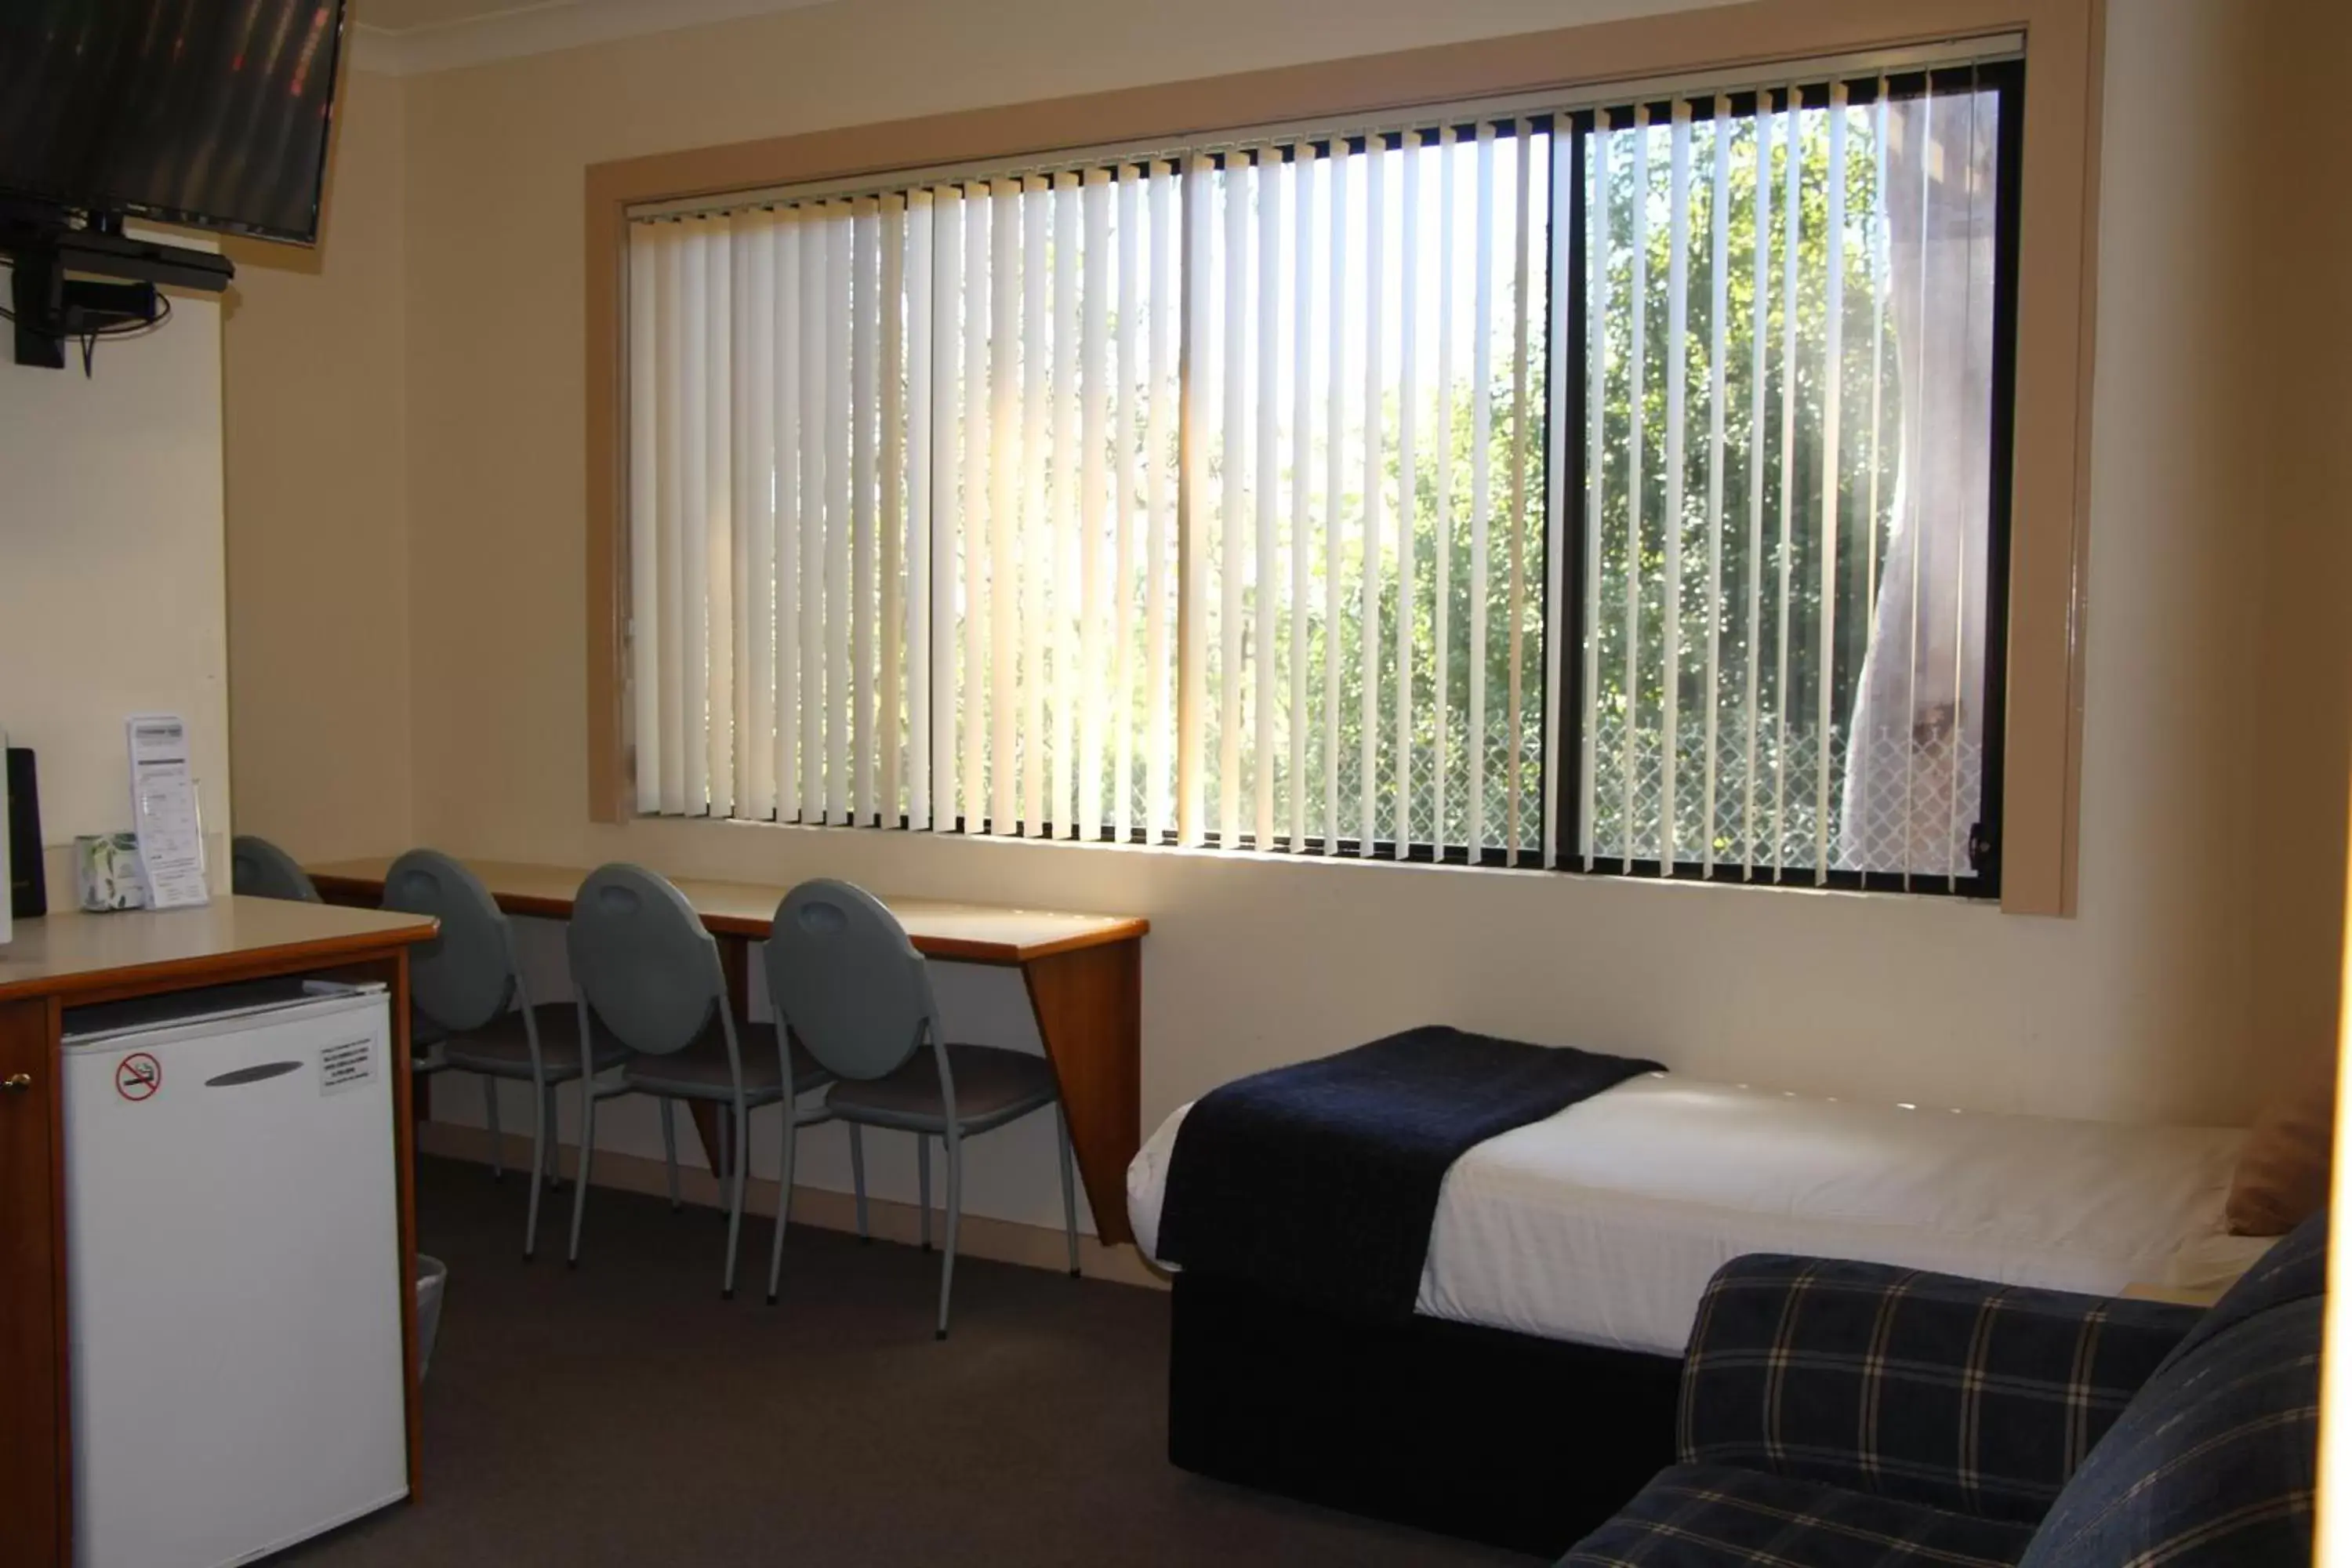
<point x="111" y="570"/>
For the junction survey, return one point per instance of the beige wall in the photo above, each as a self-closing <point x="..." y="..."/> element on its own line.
<point x="110" y="597"/>
<point x="2179" y="972"/>
<point x="318" y="483"/>
<point x="2302" y="472"/>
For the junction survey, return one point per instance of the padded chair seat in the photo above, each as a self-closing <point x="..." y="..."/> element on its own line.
<point x="1719" y="1516"/>
<point x="503" y="1048"/>
<point x="991" y="1085"/>
<point x="699" y="1071"/>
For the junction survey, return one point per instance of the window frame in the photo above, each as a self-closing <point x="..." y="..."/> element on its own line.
<point x="2042" y="443"/>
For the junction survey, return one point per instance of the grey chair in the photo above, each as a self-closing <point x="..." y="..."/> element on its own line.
<point x="854" y="991"/>
<point x="648" y="973"/>
<point x="259" y="869"/>
<point x="467" y="984"/>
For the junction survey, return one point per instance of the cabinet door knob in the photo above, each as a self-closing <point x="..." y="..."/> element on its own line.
<point x="17" y="1081"/>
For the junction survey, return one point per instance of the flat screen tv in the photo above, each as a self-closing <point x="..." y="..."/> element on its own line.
<point x="212" y="113"/>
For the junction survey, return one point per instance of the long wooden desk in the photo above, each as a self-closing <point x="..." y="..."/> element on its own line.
<point x="67" y="959"/>
<point x="1083" y="975"/>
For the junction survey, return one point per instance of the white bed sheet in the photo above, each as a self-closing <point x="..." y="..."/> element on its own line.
<point x="1603" y="1224"/>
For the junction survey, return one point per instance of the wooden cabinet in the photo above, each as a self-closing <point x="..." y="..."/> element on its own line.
<point x="36" y="1485"/>
<point x="69" y="959"/>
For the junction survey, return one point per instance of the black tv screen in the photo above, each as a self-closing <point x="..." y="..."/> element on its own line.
<point x="208" y="113"/>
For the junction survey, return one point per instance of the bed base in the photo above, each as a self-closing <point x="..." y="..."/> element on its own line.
<point x="1473" y="1432"/>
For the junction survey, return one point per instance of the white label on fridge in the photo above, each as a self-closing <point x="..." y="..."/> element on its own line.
<point x="346" y="1065"/>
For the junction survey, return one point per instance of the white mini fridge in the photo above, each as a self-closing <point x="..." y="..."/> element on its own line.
<point x="233" y="1275"/>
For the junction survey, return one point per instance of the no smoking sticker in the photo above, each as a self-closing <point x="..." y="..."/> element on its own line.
<point x="137" y="1077"/>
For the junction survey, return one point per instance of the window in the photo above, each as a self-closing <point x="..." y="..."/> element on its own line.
<point x="1619" y="487"/>
<point x="1793" y="505"/>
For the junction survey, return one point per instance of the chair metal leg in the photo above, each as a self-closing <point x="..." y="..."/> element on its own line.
<point x="669" y="1147"/>
<point x="784" y="1198"/>
<point x="1069" y="1185"/>
<point x="740" y="1147"/>
<point x="549" y="1167"/>
<point x="580" y="1178"/>
<point x="955" y="1212"/>
<point x="490" y="1116"/>
<point x="726" y="1161"/>
<point x="923" y="1181"/>
<point x="857" y="1179"/>
<point x="543" y="1137"/>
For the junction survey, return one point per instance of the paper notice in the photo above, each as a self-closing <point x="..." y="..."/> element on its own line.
<point x="164" y="812"/>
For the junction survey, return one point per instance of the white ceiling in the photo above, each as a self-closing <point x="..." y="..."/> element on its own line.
<point x="402" y="37"/>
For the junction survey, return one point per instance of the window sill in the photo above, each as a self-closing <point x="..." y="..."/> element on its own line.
<point x="1211" y="855"/>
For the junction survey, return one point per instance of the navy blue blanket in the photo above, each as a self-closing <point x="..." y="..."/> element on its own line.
<point x="1319" y="1182"/>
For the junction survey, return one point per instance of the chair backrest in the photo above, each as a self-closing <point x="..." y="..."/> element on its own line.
<point x="841" y="973"/>
<point x="467" y="975"/>
<point x="642" y="961"/>
<point x="260" y="869"/>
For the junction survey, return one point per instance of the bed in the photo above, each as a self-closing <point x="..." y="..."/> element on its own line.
<point x="1533" y="1388"/>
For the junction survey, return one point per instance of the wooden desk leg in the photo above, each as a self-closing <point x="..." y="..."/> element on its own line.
<point x="1089" y="1007"/>
<point x="36" y="1399"/>
<point x="735" y="960"/>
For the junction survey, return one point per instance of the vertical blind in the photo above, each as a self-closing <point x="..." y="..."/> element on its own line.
<point x="1612" y="488"/>
<point x="1366" y="383"/>
<point x="903" y="502"/>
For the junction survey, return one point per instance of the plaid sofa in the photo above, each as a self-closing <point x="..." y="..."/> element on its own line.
<point x="1850" y="1415"/>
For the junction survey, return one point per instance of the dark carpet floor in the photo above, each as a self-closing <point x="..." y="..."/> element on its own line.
<point x="624" y="1413"/>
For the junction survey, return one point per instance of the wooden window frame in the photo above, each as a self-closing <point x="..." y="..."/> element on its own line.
<point x="2057" y="267"/>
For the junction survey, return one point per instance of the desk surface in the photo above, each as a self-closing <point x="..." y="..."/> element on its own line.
<point x="71" y="953"/>
<point x="976" y="933"/>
